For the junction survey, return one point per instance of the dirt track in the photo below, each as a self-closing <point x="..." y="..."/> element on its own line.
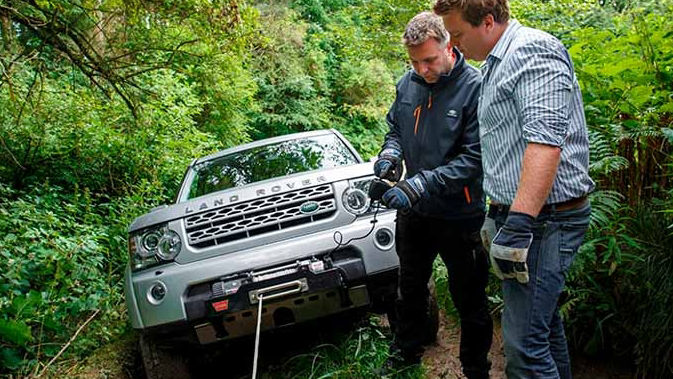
<point x="121" y="359"/>
<point x="441" y="359"/>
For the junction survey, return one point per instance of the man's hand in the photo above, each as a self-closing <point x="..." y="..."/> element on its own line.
<point x="405" y="193"/>
<point x="509" y="248"/>
<point x="389" y="165"/>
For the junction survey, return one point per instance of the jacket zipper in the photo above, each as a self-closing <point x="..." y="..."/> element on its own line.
<point x="417" y="113"/>
<point x="468" y="198"/>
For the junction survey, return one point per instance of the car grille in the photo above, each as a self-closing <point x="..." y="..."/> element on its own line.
<point x="260" y="216"/>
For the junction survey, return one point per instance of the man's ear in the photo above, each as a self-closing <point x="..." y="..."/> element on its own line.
<point x="489" y="22"/>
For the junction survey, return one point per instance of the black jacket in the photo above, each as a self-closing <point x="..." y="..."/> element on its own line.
<point x="435" y="126"/>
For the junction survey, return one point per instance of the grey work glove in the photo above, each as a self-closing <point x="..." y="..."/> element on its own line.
<point x="389" y="165"/>
<point x="487" y="233"/>
<point x="509" y="249"/>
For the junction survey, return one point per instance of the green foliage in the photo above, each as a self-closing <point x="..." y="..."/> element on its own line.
<point x="560" y="17"/>
<point x="626" y="78"/>
<point x="358" y="44"/>
<point x="104" y="103"/>
<point x="54" y="270"/>
<point x="63" y="258"/>
<point x="619" y="293"/>
<point x="651" y="318"/>
<point x="440" y="276"/>
<point x="355" y="355"/>
<point x="77" y="139"/>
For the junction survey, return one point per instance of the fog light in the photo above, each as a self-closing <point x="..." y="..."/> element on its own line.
<point x="384" y="239"/>
<point x="156" y="293"/>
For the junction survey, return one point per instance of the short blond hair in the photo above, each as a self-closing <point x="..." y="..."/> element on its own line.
<point x="424" y="26"/>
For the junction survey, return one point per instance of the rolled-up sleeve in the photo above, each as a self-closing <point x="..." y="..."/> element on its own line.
<point x="542" y="90"/>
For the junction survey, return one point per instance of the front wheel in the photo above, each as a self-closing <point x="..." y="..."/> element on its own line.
<point x="161" y="362"/>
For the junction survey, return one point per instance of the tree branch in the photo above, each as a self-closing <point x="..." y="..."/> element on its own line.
<point x="44" y="369"/>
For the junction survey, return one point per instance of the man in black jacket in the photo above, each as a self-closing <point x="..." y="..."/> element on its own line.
<point x="434" y="133"/>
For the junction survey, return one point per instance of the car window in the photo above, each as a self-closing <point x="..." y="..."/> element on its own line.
<point x="269" y="161"/>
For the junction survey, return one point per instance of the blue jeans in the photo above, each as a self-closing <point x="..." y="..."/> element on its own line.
<point x="535" y="343"/>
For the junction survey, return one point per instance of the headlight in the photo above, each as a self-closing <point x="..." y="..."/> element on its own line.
<point x="153" y="246"/>
<point x="169" y="246"/>
<point x="150" y="242"/>
<point x="356" y="201"/>
<point x="356" y="197"/>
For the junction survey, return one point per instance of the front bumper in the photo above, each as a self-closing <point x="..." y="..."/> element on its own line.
<point x="179" y="280"/>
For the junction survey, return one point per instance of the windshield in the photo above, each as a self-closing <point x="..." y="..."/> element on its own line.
<point x="269" y="161"/>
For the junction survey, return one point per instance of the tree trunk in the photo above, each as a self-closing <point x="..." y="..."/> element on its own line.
<point x="97" y="35"/>
<point x="7" y="33"/>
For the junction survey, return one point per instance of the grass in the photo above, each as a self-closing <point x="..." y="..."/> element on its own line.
<point x="355" y="354"/>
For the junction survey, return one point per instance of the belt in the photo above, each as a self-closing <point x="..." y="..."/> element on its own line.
<point x="547" y="208"/>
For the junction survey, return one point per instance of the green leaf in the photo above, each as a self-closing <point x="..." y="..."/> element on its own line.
<point x="668" y="107"/>
<point x="16" y="332"/>
<point x="10" y="358"/>
<point x="640" y="95"/>
<point x="26" y="304"/>
<point x="614" y="69"/>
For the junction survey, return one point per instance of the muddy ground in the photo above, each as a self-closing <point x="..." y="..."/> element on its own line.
<point x="441" y="360"/>
<point x="121" y="360"/>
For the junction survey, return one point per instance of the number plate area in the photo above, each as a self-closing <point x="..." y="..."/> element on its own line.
<point x="292" y="293"/>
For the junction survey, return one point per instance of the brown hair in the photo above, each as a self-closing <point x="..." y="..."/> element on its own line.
<point x="474" y="11"/>
<point x="423" y="26"/>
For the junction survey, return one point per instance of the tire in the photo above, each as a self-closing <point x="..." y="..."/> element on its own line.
<point x="160" y="362"/>
<point x="432" y="316"/>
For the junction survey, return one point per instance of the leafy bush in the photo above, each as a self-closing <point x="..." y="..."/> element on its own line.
<point x="55" y="272"/>
<point x="63" y="258"/>
<point x="291" y="93"/>
<point x="95" y="144"/>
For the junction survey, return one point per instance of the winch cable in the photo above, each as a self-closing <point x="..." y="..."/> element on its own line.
<point x="339" y="237"/>
<point x="260" y="297"/>
<point x="339" y="243"/>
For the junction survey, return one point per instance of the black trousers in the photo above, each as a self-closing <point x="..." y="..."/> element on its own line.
<point x="418" y="241"/>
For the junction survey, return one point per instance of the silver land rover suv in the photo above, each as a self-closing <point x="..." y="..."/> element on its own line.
<point x="287" y="220"/>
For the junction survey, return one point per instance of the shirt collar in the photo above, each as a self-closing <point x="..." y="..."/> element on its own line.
<point x="506" y="38"/>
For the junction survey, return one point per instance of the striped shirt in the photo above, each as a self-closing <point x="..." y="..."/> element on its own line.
<point x="530" y="94"/>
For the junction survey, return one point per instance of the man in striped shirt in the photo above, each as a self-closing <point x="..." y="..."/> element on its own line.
<point x="535" y="154"/>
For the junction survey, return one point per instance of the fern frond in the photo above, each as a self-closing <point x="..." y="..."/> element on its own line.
<point x="604" y="206"/>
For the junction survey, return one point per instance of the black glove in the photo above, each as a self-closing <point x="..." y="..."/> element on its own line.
<point x="509" y="249"/>
<point x="377" y="188"/>
<point x="389" y="165"/>
<point x="405" y="193"/>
